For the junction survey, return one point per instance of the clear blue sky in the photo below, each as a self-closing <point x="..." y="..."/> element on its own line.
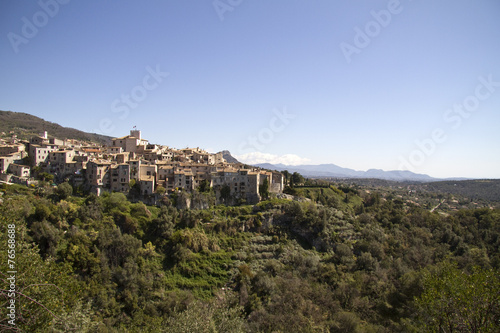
<point x="355" y="83"/>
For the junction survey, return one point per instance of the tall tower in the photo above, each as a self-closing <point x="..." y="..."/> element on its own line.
<point x="135" y="133"/>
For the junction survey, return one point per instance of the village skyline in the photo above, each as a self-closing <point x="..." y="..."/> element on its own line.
<point x="384" y="84"/>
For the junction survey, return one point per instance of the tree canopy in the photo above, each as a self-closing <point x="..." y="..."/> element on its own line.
<point x="336" y="257"/>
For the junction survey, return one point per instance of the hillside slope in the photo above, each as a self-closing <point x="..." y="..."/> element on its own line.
<point x="486" y="189"/>
<point x="26" y="125"/>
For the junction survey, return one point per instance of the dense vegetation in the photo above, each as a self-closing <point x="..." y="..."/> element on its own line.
<point x="487" y="189"/>
<point x="339" y="260"/>
<point x="473" y="189"/>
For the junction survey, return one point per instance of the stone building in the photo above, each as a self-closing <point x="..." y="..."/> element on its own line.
<point x="133" y="158"/>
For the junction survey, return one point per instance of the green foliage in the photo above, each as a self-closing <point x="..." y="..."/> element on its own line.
<point x="296" y="179"/>
<point x="202" y="273"/>
<point x="286" y="175"/>
<point x="456" y="301"/>
<point x="327" y="196"/>
<point x="338" y="258"/>
<point x="225" y="193"/>
<point x="264" y="189"/>
<point x="44" y="290"/>
<point x="204" y="186"/>
<point x="221" y="315"/>
<point x="79" y="319"/>
<point x="44" y="176"/>
<point x="289" y="190"/>
<point x="160" y="190"/>
<point x="64" y="190"/>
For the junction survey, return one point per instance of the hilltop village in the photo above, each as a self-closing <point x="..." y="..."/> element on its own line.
<point x="131" y="161"/>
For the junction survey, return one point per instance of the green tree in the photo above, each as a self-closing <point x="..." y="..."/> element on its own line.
<point x="43" y="290"/>
<point x="297" y="178"/>
<point x="135" y="188"/>
<point x="204" y="186"/>
<point x="160" y="190"/>
<point x="286" y="174"/>
<point x="225" y="193"/>
<point x="44" y="176"/>
<point x="221" y="315"/>
<point x="454" y="301"/>
<point x="64" y="190"/>
<point x="264" y="189"/>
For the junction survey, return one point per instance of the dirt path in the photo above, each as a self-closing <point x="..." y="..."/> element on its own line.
<point x="439" y="204"/>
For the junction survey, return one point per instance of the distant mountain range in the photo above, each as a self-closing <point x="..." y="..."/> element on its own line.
<point x="334" y="171"/>
<point x="26" y="125"/>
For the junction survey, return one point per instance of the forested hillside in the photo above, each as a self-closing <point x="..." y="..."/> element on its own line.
<point x="342" y="261"/>
<point x="25" y="126"/>
<point x="487" y="189"/>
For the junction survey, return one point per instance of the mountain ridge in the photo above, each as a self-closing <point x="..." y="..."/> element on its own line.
<point x="26" y="125"/>
<point x="334" y="171"/>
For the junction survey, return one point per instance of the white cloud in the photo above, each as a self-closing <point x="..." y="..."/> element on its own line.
<point x="258" y="157"/>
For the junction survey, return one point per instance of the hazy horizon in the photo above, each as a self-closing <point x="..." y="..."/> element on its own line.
<point x="391" y="85"/>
